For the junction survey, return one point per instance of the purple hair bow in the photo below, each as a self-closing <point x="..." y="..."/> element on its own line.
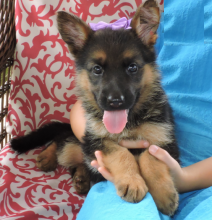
<point x="121" y="23"/>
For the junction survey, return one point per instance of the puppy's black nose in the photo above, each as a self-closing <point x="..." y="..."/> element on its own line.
<point x="115" y="101"/>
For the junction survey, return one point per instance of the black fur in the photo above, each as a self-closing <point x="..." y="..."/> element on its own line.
<point x="40" y="137"/>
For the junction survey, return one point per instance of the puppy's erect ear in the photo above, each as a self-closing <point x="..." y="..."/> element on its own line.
<point x="73" y="30"/>
<point x="146" y="21"/>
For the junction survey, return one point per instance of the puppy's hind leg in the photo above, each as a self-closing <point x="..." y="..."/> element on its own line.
<point x="71" y="156"/>
<point x="68" y="154"/>
<point x="81" y="178"/>
<point x="47" y="159"/>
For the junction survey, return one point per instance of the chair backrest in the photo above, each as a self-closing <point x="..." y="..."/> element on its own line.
<point x="42" y="86"/>
<point x="7" y="48"/>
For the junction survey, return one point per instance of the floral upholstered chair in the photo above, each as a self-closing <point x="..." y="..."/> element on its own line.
<point x="42" y="90"/>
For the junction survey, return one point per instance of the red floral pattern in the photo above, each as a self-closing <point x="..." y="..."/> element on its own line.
<point x="26" y="192"/>
<point x="42" y="90"/>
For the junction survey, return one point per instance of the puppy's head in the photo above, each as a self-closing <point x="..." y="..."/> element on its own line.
<point x="111" y="65"/>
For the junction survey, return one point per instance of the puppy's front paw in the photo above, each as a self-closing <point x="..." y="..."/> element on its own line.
<point x="131" y="188"/>
<point x="166" y="197"/>
<point x="160" y="183"/>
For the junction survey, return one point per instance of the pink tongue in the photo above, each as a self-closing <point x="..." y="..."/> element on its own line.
<point x="115" y="121"/>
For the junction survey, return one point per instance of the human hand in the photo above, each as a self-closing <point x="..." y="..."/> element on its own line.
<point x="175" y="169"/>
<point x="99" y="165"/>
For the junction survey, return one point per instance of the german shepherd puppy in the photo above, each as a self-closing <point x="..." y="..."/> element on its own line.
<point x="118" y="82"/>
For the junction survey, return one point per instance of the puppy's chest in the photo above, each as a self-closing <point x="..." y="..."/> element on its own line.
<point x="155" y="133"/>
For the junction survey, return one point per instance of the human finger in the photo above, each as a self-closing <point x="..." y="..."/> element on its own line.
<point x="95" y="164"/>
<point x="105" y="173"/>
<point x="134" y="144"/>
<point x="98" y="155"/>
<point x="163" y="155"/>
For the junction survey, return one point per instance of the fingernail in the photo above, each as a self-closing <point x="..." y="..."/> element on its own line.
<point x="153" y="149"/>
<point x="95" y="166"/>
<point x="96" y="153"/>
<point x="146" y="144"/>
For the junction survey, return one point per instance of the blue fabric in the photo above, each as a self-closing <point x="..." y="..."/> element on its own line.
<point x="185" y="59"/>
<point x="208" y="21"/>
<point x="102" y="203"/>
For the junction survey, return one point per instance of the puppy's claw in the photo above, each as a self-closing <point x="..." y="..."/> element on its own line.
<point x="131" y="189"/>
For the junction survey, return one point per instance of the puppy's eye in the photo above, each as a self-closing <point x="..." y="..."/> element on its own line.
<point x="132" y="68"/>
<point x="97" y="70"/>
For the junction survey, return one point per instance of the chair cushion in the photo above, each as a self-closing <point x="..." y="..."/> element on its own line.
<point x="28" y="192"/>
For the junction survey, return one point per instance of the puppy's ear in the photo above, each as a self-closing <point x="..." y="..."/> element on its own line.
<point x="73" y="30"/>
<point x="146" y="21"/>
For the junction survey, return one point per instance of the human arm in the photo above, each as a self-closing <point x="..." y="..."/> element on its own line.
<point x="197" y="176"/>
<point x="78" y="120"/>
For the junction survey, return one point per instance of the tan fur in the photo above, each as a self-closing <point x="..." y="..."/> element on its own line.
<point x="154" y="133"/>
<point x="97" y="128"/>
<point x="99" y="55"/>
<point x="83" y="85"/>
<point x="153" y="39"/>
<point x="150" y="75"/>
<point x="128" y="54"/>
<point x="70" y="156"/>
<point x="47" y="159"/>
<point x="122" y="165"/>
<point x="159" y="183"/>
<point x="83" y="81"/>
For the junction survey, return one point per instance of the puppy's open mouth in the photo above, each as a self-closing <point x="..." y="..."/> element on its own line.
<point x="115" y="121"/>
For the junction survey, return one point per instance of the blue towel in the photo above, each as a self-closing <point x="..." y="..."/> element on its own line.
<point x="103" y="203"/>
<point x="185" y="59"/>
